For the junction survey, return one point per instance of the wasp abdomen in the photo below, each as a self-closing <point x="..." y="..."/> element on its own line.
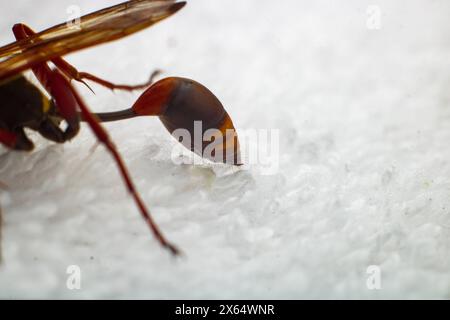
<point x="192" y="107"/>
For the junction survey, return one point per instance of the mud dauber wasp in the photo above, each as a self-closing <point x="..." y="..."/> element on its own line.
<point x="178" y="102"/>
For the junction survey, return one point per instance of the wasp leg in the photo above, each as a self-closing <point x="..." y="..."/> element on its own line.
<point x="84" y="75"/>
<point x="51" y="131"/>
<point x="103" y="137"/>
<point x="68" y="101"/>
<point x="16" y="140"/>
<point x="72" y="73"/>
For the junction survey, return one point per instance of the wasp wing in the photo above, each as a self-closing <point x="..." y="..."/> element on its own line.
<point x="99" y="27"/>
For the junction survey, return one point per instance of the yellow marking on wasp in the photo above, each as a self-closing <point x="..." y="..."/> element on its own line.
<point x="45" y="104"/>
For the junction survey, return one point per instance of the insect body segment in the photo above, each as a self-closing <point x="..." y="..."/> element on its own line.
<point x="178" y="102"/>
<point x="184" y="104"/>
<point x="25" y="106"/>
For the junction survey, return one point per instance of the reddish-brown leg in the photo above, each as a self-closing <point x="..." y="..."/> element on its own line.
<point x="16" y="140"/>
<point x="68" y="101"/>
<point x="104" y="138"/>
<point x="7" y="138"/>
<point x="83" y="75"/>
<point x="72" y="73"/>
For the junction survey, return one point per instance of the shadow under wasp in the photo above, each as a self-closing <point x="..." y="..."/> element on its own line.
<point x="178" y="102"/>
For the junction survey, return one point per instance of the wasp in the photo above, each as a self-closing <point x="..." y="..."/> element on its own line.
<point x="57" y="113"/>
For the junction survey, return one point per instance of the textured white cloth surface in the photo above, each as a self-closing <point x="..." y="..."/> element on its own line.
<point x="363" y="179"/>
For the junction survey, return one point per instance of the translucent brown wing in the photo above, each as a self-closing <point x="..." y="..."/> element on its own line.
<point x="99" y="27"/>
